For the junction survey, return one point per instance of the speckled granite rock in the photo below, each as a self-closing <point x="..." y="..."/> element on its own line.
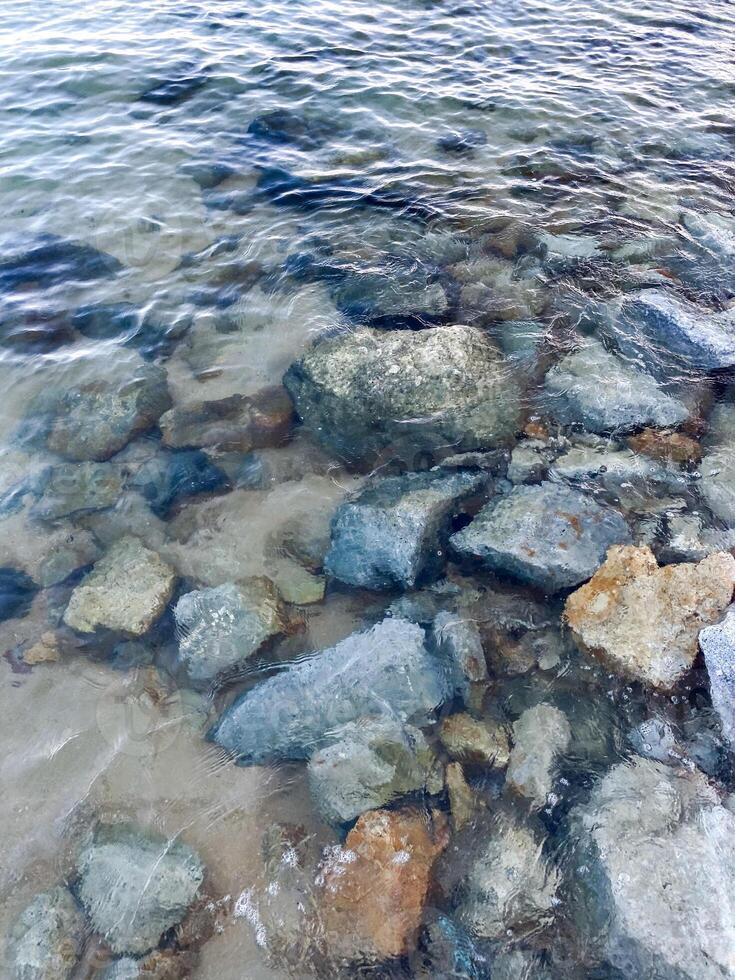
<point x="127" y="590"/>
<point x="366" y="390"/>
<point x="643" y="620"/>
<point x="550" y="536"/>
<point x="135" y="885"/>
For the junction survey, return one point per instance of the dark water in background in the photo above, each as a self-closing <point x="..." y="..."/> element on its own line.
<point x="238" y="177"/>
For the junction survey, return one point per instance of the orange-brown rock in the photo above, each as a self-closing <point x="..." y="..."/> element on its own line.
<point x="238" y="423"/>
<point x="374" y="889"/>
<point x="672" y="447"/>
<point x="644" y="621"/>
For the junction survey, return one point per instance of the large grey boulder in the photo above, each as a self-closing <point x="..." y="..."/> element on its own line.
<point x="658" y="876"/>
<point x="372" y="762"/>
<point x="135" y="886"/>
<point x="220" y="628"/>
<point x="550" y="536"/>
<point x="602" y="393"/>
<point x="126" y="591"/>
<point x="511" y="885"/>
<point x="46" y="941"/>
<point x="661" y="330"/>
<point x="366" y="390"/>
<point x="394" y="533"/>
<point x="95" y="420"/>
<point x="718" y="646"/>
<point x="540" y="735"/>
<point x="385" y="670"/>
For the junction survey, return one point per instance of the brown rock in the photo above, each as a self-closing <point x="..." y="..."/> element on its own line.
<point x="235" y="424"/>
<point x="672" y="447"/>
<point x="643" y="620"/>
<point x="475" y="742"/>
<point x="374" y="890"/>
<point x="462" y="801"/>
<point x="46" y="650"/>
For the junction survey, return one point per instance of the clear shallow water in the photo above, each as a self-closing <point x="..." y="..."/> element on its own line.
<point x="492" y="164"/>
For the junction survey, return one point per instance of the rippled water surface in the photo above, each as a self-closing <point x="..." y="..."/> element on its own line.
<point x="192" y="196"/>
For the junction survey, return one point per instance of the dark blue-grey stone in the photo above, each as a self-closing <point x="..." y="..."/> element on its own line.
<point x="168" y="478"/>
<point x="718" y="646"/>
<point x="282" y="126"/>
<point x="663" y="331"/>
<point x="462" y="142"/>
<point x="394" y="533"/>
<point x="50" y="260"/>
<point x="385" y="670"/>
<point x="176" y="89"/>
<point x="550" y="536"/>
<point x="16" y="593"/>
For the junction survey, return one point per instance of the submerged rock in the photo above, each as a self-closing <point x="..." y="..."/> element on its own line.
<point x="375" y="887"/>
<point x="457" y="639"/>
<point x="643" y="620"/>
<point x="510" y="889"/>
<point x="661" y="873"/>
<point x="718" y="646"/>
<point x="75" y="488"/>
<point x="135" y="886"/>
<point x="717" y="484"/>
<point x="46" y="941"/>
<point x="667" y="447"/>
<point x="366" y="390"/>
<point x="602" y="393"/>
<point x="235" y="424"/>
<point x="550" y="536"/>
<point x="50" y="261"/>
<point x="371" y="762"/>
<point x="540" y="735"/>
<point x="220" y="628"/>
<point x="687" y="538"/>
<point x="662" y="331"/>
<point x="16" y="593"/>
<point x="385" y="670"/>
<point x="394" y="533"/>
<point x="127" y="590"/>
<point x="629" y="477"/>
<point x="176" y="89"/>
<point x="168" y="478"/>
<point x="95" y="420"/>
<point x="475" y="742"/>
